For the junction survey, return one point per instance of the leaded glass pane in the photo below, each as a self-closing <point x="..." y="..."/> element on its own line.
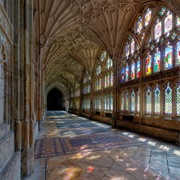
<point x="148" y="16"/>
<point x="112" y="77"/>
<point x="132" y="101"/>
<point x="168" y="22"/>
<point x="139" y="25"/>
<point x="138" y="101"/>
<point x="168" y="99"/>
<point x="127" y="73"/>
<point x="127" y="101"/>
<point x="157" y="100"/>
<point x="103" y="55"/>
<point x="127" y="50"/>
<point x="133" y="71"/>
<point x="162" y="11"/>
<point x="148" y="65"/>
<point x="148" y="100"/>
<point x="122" y="75"/>
<point x="178" y="54"/>
<point x="138" y="70"/>
<point x="122" y="101"/>
<point x="111" y="105"/>
<point x="168" y="57"/>
<point x="178" y="99"/>
<point x="105" y="102"/>
<point x="158" y="30"/>
<point x="157" y="60"/>
<point x="132" y="46"/>
<point x="177" y="20"/>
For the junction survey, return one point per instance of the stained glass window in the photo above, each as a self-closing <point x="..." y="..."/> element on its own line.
<point x="109" y="63"/>
<point x="103" y="55"/>
<point x="162" y="11"/>
<point x="148" y="16"/>
<point x="168" y="57"/>
<point x="127" y="73"/>
<point x="139" y="25"/>
<point x="158" y="30"/>
<point x="178" y="98"/>
<point x="178" y="54"/>
<point x="122" y="101"/>
<point x="105" y="102"/>
<point x="112" y="77"/>
<point x="127" y="50"/>
<point x="122" y="75"/>
<point x="148" y="100"/>
<point x="138" y="70"/>
<point x="132" y="46"/>
<point x="111" y="102"/>
<point x="138" y="100"/>
<point x="148" y="65"/>
<point x="127" y="101"/>
<point x="157" y="100"/>
<point x="168" y="99"/>
<point x="106" y="81"/>
<point x="177" y="20"/>
<point x="168" y="22"/>
<point x="132" y="101"/>
<point x="156" y="62"/>
<point x="98" y="70"/>
<point x="133" y="71"/>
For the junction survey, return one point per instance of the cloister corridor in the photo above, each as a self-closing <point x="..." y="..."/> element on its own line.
<point x="71" y="147"/>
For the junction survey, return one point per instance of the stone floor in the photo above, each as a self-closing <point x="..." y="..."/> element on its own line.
<point x="149" y="159"/>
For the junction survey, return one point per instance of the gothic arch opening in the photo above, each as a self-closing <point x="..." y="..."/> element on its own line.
<point x="55" y="100"/>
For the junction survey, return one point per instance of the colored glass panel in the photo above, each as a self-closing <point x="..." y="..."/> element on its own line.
<point x="138" y="70"/>
<point x="148" y="16"/>
<point x="157" y="100"/>
<point x="103" y="55"/>
<point x="122" y="75"/>
<point x="168" y="99"/>
<point x="168" y="23"/>
<point x="132" y="46"/>
<point x="127" y="50"/>
<point x="127" y="101"/>
<point x="178" y="54"/>
<point x="177" y="20"/>
<point x="127" y="73"/>
<point x="111" y="102"/>
<point x="139" y="25"/>
<point x="158" y="30"/>
<point x="132" y="101"/>
<point x="148" y="65"/>
<point x="148" y="101"/>
<point x="133" y="71"/>
<point x="168" y="57"/>
<point x="178" y="99"/>
<point x="157" y="60"/>
<point x="112" y="78"/>
<point x="162" y="11"/>
<point x="138" y="101"/>
<point x="122" y="101"/>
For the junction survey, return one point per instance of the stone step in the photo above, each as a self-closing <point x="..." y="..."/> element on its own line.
<point x="6" y="148"/>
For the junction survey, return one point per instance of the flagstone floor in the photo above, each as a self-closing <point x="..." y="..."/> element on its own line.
<point x="85" y="152"/>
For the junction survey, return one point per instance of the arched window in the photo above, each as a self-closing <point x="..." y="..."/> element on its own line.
<point x="148" y="96"/>
<point x="168" y="99"/>
<point x="103" y="56"/>
<point x="138" y="100"/>
<point x="157" y="102"/>
<point x="139" y="25"/>
<point x="133" y="71"/>
<point x="158" y="30"/>
<point x="138" y="70"/>
<point x="127" y="73"/>
<point x="127" y="101"/>
<point x="157" y="61"/>
<point x="122" y="75"/>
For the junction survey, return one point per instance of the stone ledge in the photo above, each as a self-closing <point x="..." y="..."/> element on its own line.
<point x="4" y="130"/>
<point x="13" y="168"/>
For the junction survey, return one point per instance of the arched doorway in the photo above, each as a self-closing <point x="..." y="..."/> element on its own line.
<point x="55" y="100"/>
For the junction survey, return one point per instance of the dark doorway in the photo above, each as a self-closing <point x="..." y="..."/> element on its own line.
<point x="55" y="100"/>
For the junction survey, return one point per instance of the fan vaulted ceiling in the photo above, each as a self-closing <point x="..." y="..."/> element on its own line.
<point x="73" y="33"/>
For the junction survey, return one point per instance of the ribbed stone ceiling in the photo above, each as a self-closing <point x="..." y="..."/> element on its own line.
<point x="73" y="33"/>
